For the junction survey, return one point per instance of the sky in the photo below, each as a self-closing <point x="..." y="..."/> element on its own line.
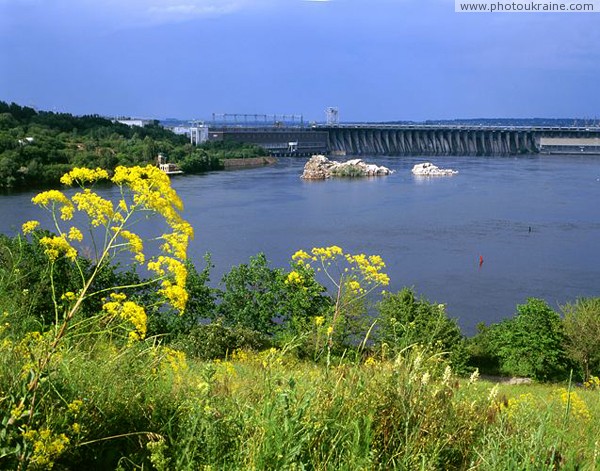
<point x="375" y="60"/>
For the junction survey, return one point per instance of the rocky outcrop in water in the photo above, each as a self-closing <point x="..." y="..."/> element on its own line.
<point x="320" y="167"/>
<point x="427" y="169"/>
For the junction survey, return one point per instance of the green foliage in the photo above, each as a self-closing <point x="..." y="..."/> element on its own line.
<point x="201" y="305"/>
<point x="25" y="284"/>
<point x="214" y="340"/>
<point x="531" y="343"/>
<point x="582" y="331"/>
<point x="199" y="161"/>
<point x="261" y="298"/>
<point x="232" y="150"/>
<point x="406" y="321"/>
<point x="481" y="352"/>
<point x="38" y="147"/>
<point x="348" y="171"/>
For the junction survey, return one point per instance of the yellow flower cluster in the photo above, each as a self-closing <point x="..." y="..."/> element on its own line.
<point x="294" y="278"/>
<point x="75" y="234"/>
<point x="592" y="383"/>
<point x="370" y="267"/>
<point x="75" y="406"/>
<point x="83" y="175"/>
<point x="30" y="226"/>
<point x="57" y="246"/>
<point x="98" y="209"/>
<point x="174" y="292"/>
<point x="69" y="296"/>
<point x="130" y="312"/>
<point x="577" y="405"/>
<point x="135" y="244"/>
<point x="176" y="243"/>
<point x="151" y="188"/>
<point x="355" y="287"/>
<point x="46" y="447"/>
<point x="301" y="255"/>
<point x="367" y="268"/>
<point x="142" y="189"/>
<point x="49" y="199"/>
<point x="325" y="253"/>
<point x="174" y="362"/>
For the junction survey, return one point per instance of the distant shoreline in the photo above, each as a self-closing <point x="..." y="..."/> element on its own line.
<point x="251" y="162"/>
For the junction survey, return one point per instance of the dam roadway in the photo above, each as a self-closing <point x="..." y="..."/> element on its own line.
<point x="415" y="139"/>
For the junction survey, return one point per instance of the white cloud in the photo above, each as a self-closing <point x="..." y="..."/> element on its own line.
<point x="143" y="12"/>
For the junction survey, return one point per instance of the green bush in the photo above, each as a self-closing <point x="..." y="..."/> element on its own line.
<point x="261" y="298"/>
<point x="582" y="331"/>
<point x="214" y="340"/>
<point x="406" y="320"/>
<point x="532" y="343"/>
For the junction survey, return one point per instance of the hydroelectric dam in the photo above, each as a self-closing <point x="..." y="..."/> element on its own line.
<point x="409" y="139"/>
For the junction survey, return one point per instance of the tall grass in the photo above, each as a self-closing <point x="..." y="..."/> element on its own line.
<point x="148" y="407"/>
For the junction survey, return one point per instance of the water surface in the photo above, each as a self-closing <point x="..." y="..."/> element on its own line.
<point x="430" y="232"/>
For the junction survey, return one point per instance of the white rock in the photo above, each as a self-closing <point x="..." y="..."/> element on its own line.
<point x="427" y="169"/>
<point x="320" y="167"/>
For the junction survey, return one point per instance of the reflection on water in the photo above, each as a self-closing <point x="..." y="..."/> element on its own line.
<point x="431" y="232"/>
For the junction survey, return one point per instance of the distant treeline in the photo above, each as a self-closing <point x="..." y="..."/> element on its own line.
<point x="533" y="122"/>
<point x="37" y="147"/>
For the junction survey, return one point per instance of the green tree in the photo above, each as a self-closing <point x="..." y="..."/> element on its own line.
<point x="406" y="320"/>
<point x="582" y="330"/>
<point x="262" y="298"/>
<point x="532" y="343"/>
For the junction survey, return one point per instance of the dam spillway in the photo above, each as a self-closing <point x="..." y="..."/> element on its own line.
<point x="374" y="139"/>
<point x="427" y="141"/>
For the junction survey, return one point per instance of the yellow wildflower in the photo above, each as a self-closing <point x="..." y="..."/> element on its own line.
<point x="75" y="406"/>
<point x="175" y="244"/>
<point x="69" y="296"/>
<point x="75" y="234"/>
<point x="46" y="447"/>
<point x="55" y="246"/>
<point x="30" y="226"/>
<point x="319" y="320"/>
<point x="83" y="175"/>
<point x="294" y="278"/>
<point x="577" y="405"/>
<point x="128" y="311"/>
<point x="135" y="244"/>
<point x="151" y="189"/>
<point x="176" y="293"/>
<point x="354" y="286"/>
<point x="98" y="209"/>
<point x="300" y="255"/>
<point x="49" y="199"/>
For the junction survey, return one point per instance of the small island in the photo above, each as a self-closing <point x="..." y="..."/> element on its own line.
<point x="427" y="169"/>
<point x="320" y="167"/>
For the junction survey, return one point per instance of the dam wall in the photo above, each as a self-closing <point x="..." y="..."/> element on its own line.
<point x="439" y="141"/>
<point x="373" y="139"/>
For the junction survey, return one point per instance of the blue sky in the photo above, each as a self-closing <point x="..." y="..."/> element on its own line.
<point x="375" y="60"/>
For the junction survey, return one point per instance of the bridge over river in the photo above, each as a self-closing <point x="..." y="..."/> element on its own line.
<point x="414" y="139"/>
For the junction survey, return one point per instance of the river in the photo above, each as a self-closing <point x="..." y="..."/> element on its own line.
<point x="535" y="220"/>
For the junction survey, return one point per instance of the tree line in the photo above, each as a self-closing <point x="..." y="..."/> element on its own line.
<point x="38" y="147"/>
<point x="256" y="306"/>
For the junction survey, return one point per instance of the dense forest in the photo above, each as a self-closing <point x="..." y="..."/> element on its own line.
<point x="37" y="147"/>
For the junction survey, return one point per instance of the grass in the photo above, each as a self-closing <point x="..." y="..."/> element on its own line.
<point x="149" y="407"/>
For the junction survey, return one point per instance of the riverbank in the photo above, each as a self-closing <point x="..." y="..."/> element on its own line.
<point x="250" y="162"/>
